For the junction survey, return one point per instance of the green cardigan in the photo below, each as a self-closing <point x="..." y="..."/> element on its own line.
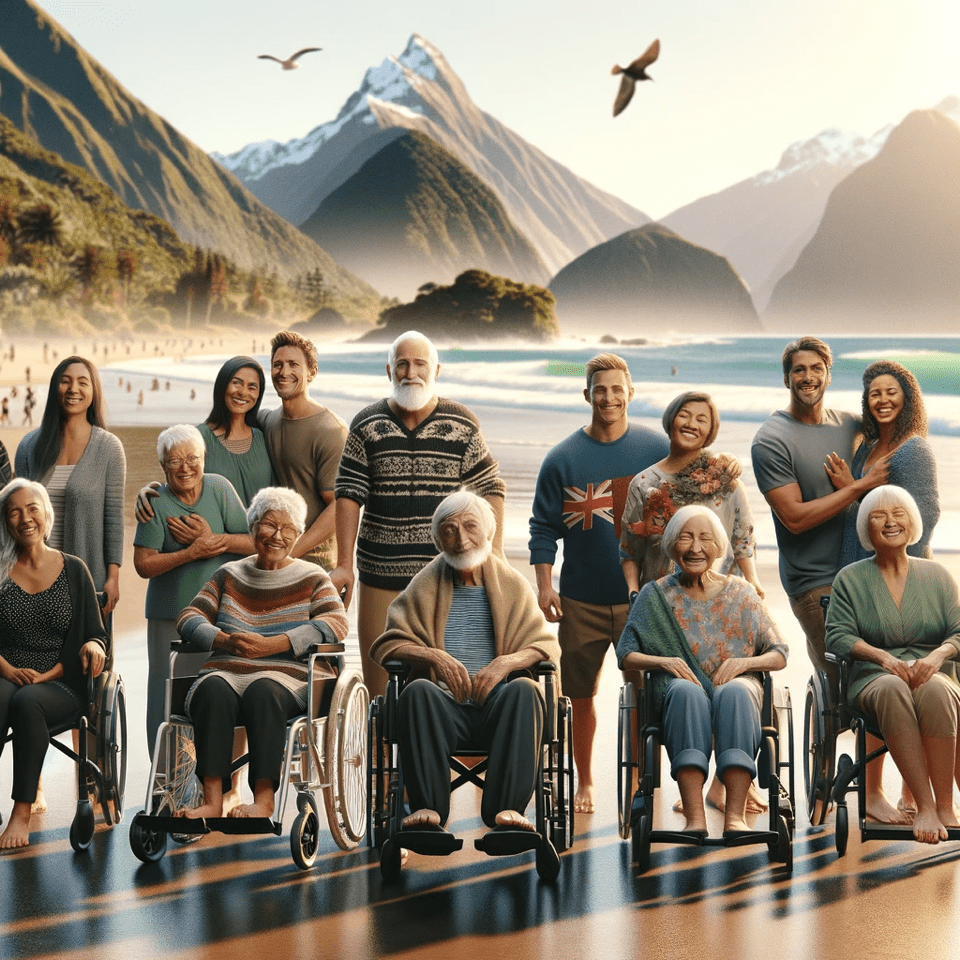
<point x="861" y="608"/>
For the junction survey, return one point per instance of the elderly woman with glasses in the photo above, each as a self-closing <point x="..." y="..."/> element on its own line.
<point x="258" y="617"/>
<point x="198" y="524"/>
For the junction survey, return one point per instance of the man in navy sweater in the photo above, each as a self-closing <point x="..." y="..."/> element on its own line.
<point x="581" y="490"/>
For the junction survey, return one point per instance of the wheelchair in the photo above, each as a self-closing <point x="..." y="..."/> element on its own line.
<point x="101" y="756"/>
<point x="553" y="792"/>
<point x="325" y="751"/>
<point x="828" y="779"/>
<point x="639" y="739"/>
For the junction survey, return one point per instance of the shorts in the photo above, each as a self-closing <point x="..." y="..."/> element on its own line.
<point x="586" y="631"/>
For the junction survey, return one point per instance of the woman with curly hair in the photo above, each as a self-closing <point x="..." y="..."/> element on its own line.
<point x="894" y="425"/>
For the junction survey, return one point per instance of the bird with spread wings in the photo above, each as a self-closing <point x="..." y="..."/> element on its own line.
<point x="631" y="74"/>
<point x="291" y="62"/>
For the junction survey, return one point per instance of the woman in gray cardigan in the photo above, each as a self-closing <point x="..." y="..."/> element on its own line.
<point x="83" y="468"/>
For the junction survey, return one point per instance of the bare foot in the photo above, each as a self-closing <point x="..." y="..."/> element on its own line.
<point x="231" y="799"/>
<point x="948" y="816"/>
<point x="907" y="806"/>
<point x="40" y="804"/>
<point x="421" y="818"/>
<point x="198" y="813"/>
<point x="242" y="810"/>
<point x="717" y="798"/>
<point x="17" y="834"/>
<point x="716" y="795"/>
<point x="583" y="799"/>
<point x="879" y="808"/>
<point x="737" y="824"/>
<point x="513" y="820"/>
<point x="927" y="828"/>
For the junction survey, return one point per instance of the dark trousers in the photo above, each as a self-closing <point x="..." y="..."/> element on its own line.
<point x="509" y="727"/>
<point x="264" y="710"/>
<point x="29" y="711"/>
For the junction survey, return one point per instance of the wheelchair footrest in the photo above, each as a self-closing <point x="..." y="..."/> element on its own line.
<point x="430" y="843"/>
<point x="507" y="843"/>
<point x="189" y="826"/>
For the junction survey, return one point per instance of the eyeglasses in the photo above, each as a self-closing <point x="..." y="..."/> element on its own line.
<point x="288" y="531"/>
<point x="177" y="462"/>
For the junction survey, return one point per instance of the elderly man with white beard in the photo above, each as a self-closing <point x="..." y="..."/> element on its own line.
<point x="467" y="624"/>
<point x="403" y="455"/>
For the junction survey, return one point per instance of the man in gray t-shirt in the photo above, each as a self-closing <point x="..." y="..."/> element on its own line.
<point x="799" y="459"/>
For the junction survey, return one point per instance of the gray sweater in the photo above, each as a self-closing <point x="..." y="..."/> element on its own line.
<point x="93" y="525"/>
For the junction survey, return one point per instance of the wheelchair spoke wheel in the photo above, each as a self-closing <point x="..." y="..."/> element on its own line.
<point x="819" y="741"/>
<point x="345" y="760"/>
<point x="626" y="756"/>
<point x="148" y="846"/>
<point x="305" y="837"/>
<point x="112" y="750"/>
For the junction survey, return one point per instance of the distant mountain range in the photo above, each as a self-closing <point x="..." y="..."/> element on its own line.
<point x="558" y="212"/>
<point x="761" y="224"/>
<point x="651" y="281"/>
<point x="414" y="213"/>
<point x="886" y="255"/>
<point x="52" y="90"/>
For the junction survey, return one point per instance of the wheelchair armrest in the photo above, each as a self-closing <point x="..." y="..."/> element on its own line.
<point x="185" y="646"/>
<point x="326" y="649"/>
<point x="397" y="668"/>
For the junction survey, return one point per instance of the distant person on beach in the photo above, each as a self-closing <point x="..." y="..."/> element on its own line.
<point x="188" y="501"/>
<point x="305" y="441"/>
<point x="403" y="456"/>
<point x="83" y="467"/>
<point x="5" y="412"/>
<point x="28" y="404"/>
<point x="796" y="454"/>
<point x="580" y="495"/>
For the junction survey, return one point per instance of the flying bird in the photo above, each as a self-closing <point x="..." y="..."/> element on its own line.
<point x="636" y="71"/>
<point x="291" y="63"/>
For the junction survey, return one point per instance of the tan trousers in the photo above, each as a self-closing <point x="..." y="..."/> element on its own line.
<point x="372" y="603"/>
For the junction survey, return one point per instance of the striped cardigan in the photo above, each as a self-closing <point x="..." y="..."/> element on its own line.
<point x="298" y="600"/>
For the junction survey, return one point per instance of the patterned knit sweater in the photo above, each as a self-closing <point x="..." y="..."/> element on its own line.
<point x="298" y="600"/>
<point x="400" y="476"/>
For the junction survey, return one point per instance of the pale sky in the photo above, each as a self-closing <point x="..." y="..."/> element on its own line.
<point x="736" y="83"/>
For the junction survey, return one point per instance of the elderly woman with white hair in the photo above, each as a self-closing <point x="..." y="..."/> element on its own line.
<point x="898" y="618"/>
<point x="259" y="618"/>
<point x="708" y="636"/>
<point x="465" y="623"/>
<point x="198" y="523"/>
<point x="51" y="634"/>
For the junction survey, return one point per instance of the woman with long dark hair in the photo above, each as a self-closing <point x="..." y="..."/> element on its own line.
<point x="83" y="468"/>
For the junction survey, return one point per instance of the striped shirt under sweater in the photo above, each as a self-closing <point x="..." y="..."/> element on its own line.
<point x="399" y="477"/>
<point x="298" y="600"/>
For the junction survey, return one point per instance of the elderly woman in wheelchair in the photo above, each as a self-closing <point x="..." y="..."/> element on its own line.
<point x="897" y="618"/>
<point x="707" y="637"/>
<point x="259" y="618"/>
<point x="51" y="634"/>
<point x="464" y="625"/>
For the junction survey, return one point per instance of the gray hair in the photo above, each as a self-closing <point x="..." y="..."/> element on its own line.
<point x="680" y="519"/>
<point x="175" y="436"/>
<point x="463" y="501"/>
<point x="281" y="499"/>
<point x="412" y="335"/>
<point x="8" y="545"/>
<point x="888" y="496"/>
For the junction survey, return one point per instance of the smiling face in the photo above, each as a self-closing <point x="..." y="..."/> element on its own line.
<point x="889" y="527"/>
<point x="274" y="539"/>
<point x="696" y="548"/>
<point x="75" y="390"/>
<point x="885" y="399"/>
<point x="609" y="396"/>
<point x="290" y="372"/>
<point x="691" y="427"/>
<point x="183" y="469"/>
<point x="463" y="540"/>
<point x="242" y="392"/>
<point x="413" y="375"/>
<point x="808" y="379"/>
<point x="26" y="517"/>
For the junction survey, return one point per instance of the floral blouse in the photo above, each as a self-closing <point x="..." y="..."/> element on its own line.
<point x="733" y="623"/>
<point x="654" y="496"/>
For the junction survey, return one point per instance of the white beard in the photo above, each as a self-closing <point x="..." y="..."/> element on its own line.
<point x="412" y="395"/>
<point x="470" y="560"/>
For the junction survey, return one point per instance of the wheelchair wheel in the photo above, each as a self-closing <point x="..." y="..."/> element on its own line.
<point x="82" y="827"/>
<point x="345" y="760"/>
<point x="548" y="862"/>
<point x="148" y="846"/>
<point x="641" y="843"/>
<point x="843" y="829"/>
<point x="305" y="833"/>
<point x="390" y="860"/>
<point x="819" y="741"/>
<point x="626" y="756"/>
<point x="560" y="815"/>
<point x="111" y="746"/>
